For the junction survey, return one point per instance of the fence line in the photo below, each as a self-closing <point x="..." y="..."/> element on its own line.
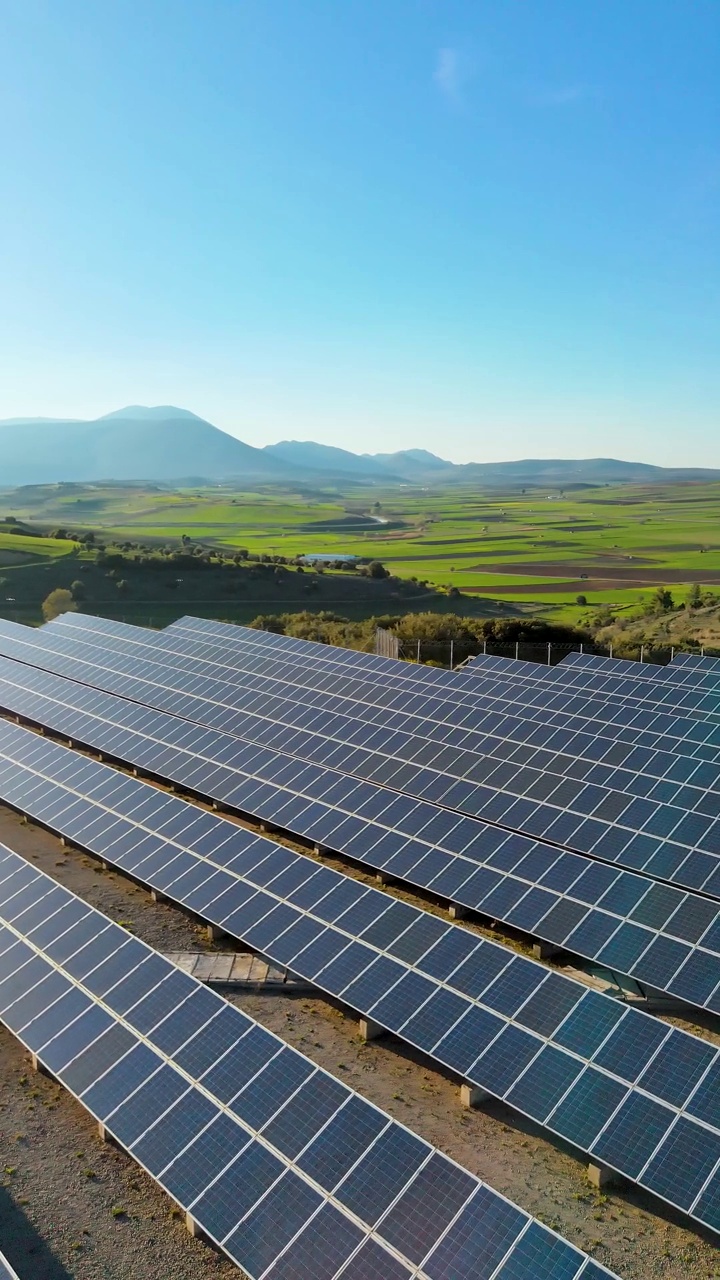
<point x="455" y="653"/>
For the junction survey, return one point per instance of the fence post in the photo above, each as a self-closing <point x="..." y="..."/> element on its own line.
<point x="581" y="646"/>
<point x="418" y="652"/>
<point x="484" y="646"/>
<point x="611" y="649"/>
<point x="549" y="651"/>
<point x="702" y="650"/>
<point x="517" y="650"/>
<point x="642" y="652"/>
<point x="452" y="653"/>
<point x="672" y="652"/>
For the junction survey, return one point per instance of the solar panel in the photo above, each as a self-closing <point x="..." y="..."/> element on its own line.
<point x="696" y="660"/>
<point x="690" y="676"/>
<point x="635" y="827"/>
<point x="583" y="667"/>
<point x="458" y="703"/>
<point x="543" y="1042"/>
<point x="658" y="935"/>
<point x="273" y="1158"/>
<point x="6" y="1271"/>
<point x="587" y="675"/>
<point x="490" y="733"/>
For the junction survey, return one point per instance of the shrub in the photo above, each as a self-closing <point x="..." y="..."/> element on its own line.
<point x="59" y="601"/>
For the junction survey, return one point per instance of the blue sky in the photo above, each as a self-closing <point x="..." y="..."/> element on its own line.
<point x="486" y="228"/>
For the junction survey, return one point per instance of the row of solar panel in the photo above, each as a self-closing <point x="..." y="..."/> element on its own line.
<point x="678" y="804"/>
<point x="672" y="1148"/>
<point x="457" y="706"/>
<point x="626" y="845"/>
<point x="601" y="682"/>
<point x="701" y="662"/>
<point x="657" y="934"/>
<point x="676" y="674"/>
<point x="687" y="701"/>
<point x="201" y="711"/>
<point x="278" y="1162"/>
<point x="516" y="742"/>
<point x="237" y="641"/>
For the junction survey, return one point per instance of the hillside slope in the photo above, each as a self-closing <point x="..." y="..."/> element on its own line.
<point x="128" y="445"/>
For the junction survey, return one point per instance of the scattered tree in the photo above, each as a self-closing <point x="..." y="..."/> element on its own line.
<point x="59" y="601"/>
<point x="694" y="597"/>
<point x="77" y="590"/>
<point x="377" y="570"/>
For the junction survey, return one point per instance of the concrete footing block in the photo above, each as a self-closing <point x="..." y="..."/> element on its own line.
<point x="382" y="877"/>
<point x="157" y="896"/>
<point x="105" y="1135"/>
<point x="194" y="1228"/>
<point x="458" y="912"/>
<point x="544" y="950"/>
<point x="472" y="1096"/>
<point x="603" y="1178"/>
<point x="370" y="1030"/>
<point x="39" y="1067"/>
<point x="214" y="933"/>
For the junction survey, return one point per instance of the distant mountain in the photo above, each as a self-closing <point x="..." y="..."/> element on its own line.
<point x="151" y="413"/>
<point x="327" y="458"/>
<point x="563" y="471"/>
<point x="413" y="463"/>
<point x="165" y="443"/>
<point x="131" y="444"/>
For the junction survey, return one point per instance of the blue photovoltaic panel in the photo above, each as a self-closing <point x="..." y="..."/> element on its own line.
<point x="586" y="675"/>
<point x="254" y="1178"/>
<point x="701" y="662"/>
<point x="460" y="747"/>
<point x="606" y="683"/>
<point x="6" y="1271"/>
<point x="618" y="829"/>
<point x="470" y="1004"/>
<point x="659" y="820"/>
<point x="459" y="703"/>
<point x="600" y="912"/>
<point x="688" y="675"/>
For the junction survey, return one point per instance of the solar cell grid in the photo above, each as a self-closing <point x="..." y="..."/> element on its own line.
<point x="467" y="752"/>
<point x="450" y="705"/>
<point x="690" y="699"/>
<point x="234" y="1180"/>
<point x="572" y="671"/>
<point x="561" y="919"/>
<point x="690" y="675"/>
<point x="506" y="1049"/>
<point x="525" y="907"/>
<point x="178" y="1132"/>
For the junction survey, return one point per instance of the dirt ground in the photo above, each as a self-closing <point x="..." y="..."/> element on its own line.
<point x="61" y="1188"/>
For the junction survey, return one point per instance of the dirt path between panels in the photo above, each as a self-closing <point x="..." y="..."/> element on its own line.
<point x="60" y="1185"/>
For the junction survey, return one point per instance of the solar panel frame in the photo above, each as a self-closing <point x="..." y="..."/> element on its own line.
<point x="164" y="1116"/>
<point x="556" y="915"/>
<point x="508" y="735"/>
<point x="323" y="666"/>
<point x="497" y="1026"/>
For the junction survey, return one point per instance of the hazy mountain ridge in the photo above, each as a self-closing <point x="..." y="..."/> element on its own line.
<point x="164" y="443"/>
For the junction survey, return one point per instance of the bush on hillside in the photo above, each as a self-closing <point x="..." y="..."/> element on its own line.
<point x="59" y="601"/>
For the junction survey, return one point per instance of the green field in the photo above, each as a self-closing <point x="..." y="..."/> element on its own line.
<point x="533" y="552"/>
